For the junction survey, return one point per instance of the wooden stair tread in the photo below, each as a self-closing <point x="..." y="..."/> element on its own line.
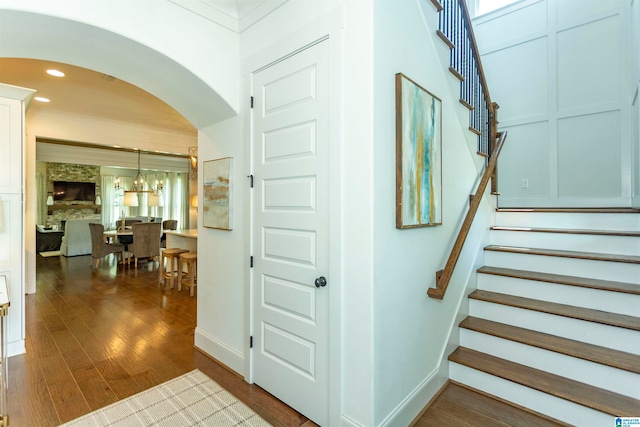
<point x="605" y="285"/>
<point x="580" y="313"/>
<point x="590" y="352"/>
<point x="461" y="405"/>
<point x="595" y="256"/>
<point x="583" y="394"/>
<point x="569" y="231"/>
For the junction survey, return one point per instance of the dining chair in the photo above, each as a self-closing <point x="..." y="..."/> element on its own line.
<point x="146" y="241"/>
<point x="100" y="248"/>
<point x="167" y="224"/>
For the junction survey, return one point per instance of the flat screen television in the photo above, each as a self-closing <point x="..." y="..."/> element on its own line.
<point x="74" y="191"/>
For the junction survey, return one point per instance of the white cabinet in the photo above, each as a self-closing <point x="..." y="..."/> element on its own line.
<point x="13" y="102"/>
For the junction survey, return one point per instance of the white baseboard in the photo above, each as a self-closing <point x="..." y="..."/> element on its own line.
<point x="15" y="348"/>
<point x="414" y="402"/>
<point x="348" y="422"/>
<point x="220" y="351"/>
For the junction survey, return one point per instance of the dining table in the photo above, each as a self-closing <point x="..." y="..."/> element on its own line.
<point x="113" y="236"/>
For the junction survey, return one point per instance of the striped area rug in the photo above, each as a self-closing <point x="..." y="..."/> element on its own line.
<point x="192" y="399"/>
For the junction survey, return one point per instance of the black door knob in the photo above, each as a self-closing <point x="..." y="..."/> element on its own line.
<point x="321" y="282"/>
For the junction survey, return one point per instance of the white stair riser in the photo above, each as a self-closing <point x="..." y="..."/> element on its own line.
<point x="543" y="403"/>
<point x="596" y="299"/>
<point x="595" y="374"/>
<point x="586" y="221"/>
<point x="622" y="245"/>
<point x="605" y="270"/>
<point x="593" y="333"/>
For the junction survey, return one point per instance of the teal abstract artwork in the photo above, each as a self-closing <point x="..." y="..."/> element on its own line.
<point x="418" y="155"/>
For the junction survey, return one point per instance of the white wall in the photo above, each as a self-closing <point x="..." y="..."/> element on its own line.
<point x="387" y="338"/>
<point x="223" y="316"/>
<point x="635" y="99"/>
<point x="110" y="133"/>
<point x="412" y="330"/>
<point x="182" y="51"/>
<point x="560" y="71"/>
<point x="221" y="328"/>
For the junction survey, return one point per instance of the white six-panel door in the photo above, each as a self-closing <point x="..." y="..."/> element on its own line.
<point x="290" y="149"/>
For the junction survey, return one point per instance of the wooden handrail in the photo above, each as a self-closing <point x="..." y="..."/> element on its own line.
<point x="456" y="31"/>
<point x="444" y="276"/>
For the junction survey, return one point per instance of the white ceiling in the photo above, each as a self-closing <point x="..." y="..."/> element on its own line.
<point x="87" y="92"/>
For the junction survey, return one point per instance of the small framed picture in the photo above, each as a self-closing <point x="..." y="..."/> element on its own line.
<point x="217" y="191"/>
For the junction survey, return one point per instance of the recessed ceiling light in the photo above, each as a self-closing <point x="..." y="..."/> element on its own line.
<point x="55" y="73"/>
<point x="42" y="99"/>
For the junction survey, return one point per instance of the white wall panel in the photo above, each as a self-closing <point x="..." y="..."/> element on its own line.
<point x="567" y="12"/>
<point x="579" y="64"/>
<point x="589" y="156"/>
<point x="525" y="156"/>
<point x="498" y="29"/>
<point x="588" y="61"/>
<point x="529" y="62"/>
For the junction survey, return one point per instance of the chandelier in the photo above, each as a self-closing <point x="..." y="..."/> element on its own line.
<point x="193" y="163"/>
<point x="138" y="184"/>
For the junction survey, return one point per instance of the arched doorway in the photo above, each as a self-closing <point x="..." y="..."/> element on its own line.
<point x="26" y="34"/>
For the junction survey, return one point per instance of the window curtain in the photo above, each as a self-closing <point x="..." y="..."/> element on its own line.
<point x="150" y="183"/>
<point x="176" y="198"/>
<point x="108" y="201"/>
<point x="41" y="199"/>
<point x="121" y="210"/>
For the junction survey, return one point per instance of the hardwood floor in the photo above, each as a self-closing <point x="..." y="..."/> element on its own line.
<point x="95" y="337"/>
<point x="458" y="405"/>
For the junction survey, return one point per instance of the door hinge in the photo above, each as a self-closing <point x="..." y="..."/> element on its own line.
<point x="252" y="102"/>
<point x="251" y="261"/>
<point x="250" y="180"/>
<point x="251" y="342"/>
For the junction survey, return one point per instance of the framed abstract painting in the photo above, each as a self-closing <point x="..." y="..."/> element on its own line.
<point x="418" y="155"/>
<point x="217" y="210"/>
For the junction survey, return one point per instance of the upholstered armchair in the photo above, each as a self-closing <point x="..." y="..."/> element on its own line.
<point x="76" y="239"/>
<point x="146" y="241"/>
<point x="100" y="248"/>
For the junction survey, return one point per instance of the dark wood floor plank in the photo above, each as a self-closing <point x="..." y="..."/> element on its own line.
<point x="94" y="388"/>
<point x="506" y="413"/>
<point x="118" y="379"/>
<point x="37" y="407"/>
<point x="586" y="314"/>
<point x="460" y="405"/>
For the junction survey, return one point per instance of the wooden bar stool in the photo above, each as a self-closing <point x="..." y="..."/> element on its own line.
<point x="191" y="259"/>
<point x="171" y="256"/>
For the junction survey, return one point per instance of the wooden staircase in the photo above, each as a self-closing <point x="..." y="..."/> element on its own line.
<point x="553" y="325"/>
